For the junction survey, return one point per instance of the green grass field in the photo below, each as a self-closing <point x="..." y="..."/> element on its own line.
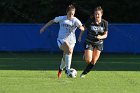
<point x="37" y="73"/>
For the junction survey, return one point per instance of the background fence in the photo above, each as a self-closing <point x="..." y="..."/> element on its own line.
<point x="122" y="38"/>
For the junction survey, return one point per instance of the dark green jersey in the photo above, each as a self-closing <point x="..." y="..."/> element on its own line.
<point x="94" y="30"/>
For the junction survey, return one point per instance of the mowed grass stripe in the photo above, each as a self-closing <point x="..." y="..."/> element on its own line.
<point x="47" y="81"/>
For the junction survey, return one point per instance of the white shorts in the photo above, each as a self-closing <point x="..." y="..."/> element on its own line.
<point x="61" y="41"/>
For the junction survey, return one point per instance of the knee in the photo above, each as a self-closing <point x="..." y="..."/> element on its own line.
<point x="69" y="51"/>
<point x="94" y="61"/>
<point x="88" y="60"/>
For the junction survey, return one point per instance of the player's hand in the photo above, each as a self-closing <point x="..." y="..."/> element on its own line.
<point x="79" y="39"/>
<point x="99" y="37"/>
<point x="42" y="30"/>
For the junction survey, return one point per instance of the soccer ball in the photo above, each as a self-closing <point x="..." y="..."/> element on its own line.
<point x="72" y="73"/>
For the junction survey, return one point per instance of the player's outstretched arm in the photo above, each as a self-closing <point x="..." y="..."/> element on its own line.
<point x="46" y="25"/>
<point x="80" y="36"/>
<point x="81" y="33"/>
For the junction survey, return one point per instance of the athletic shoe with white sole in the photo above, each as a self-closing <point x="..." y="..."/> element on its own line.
<point x="82" y="76"/>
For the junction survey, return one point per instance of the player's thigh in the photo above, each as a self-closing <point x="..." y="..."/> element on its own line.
<point x="88" y="52"/>
<point x="96" y="55"/>
<point x="66" y="47"/>
<point x="88" y="55"/>
<point x="97" y="51"/>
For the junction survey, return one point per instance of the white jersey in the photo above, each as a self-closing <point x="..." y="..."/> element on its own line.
<point x="67" y="28"/>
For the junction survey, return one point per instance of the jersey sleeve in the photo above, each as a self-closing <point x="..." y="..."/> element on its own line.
<point x="58" y="19"/>
<point x="78" y="23"/>
<point x="106" y="26"/>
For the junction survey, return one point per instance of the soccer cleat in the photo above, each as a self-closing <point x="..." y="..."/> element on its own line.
<point x="59" y="73"/>
<point x="82" y="76"/>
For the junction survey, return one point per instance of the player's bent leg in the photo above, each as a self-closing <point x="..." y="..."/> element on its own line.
<point x="88" y="56"/>
<point x="68" y="51"/>
<point x="63" y="63"/>
<point x="88" y="59"/>
<point x="96" y="55"/>
<point x="62" y="66"/>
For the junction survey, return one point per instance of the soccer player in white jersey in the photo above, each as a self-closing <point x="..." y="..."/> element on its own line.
<point x="66" y="37"/>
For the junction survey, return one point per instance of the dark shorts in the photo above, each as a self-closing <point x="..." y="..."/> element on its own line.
<point x="89" y="46"/>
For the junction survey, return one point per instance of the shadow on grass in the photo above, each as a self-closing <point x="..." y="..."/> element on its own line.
<point x="45" y="61"/>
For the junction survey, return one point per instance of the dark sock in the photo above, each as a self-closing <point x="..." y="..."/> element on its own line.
<point x="66" y="72"/>
<point x="88" y="68"/>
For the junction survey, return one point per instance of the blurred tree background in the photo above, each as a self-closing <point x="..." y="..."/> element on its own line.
<point x="41" y="11"/>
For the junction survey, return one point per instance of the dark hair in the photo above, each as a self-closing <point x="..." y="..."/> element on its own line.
<point x="70" y="7"/>
<point x="98" y="8"/>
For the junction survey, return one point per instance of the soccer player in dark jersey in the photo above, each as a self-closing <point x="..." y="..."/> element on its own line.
<point x="97" y="31"/>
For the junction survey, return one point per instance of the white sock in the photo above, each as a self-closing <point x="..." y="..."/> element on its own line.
<point x="63" y="64"/>
<point x="68" y="61"/>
